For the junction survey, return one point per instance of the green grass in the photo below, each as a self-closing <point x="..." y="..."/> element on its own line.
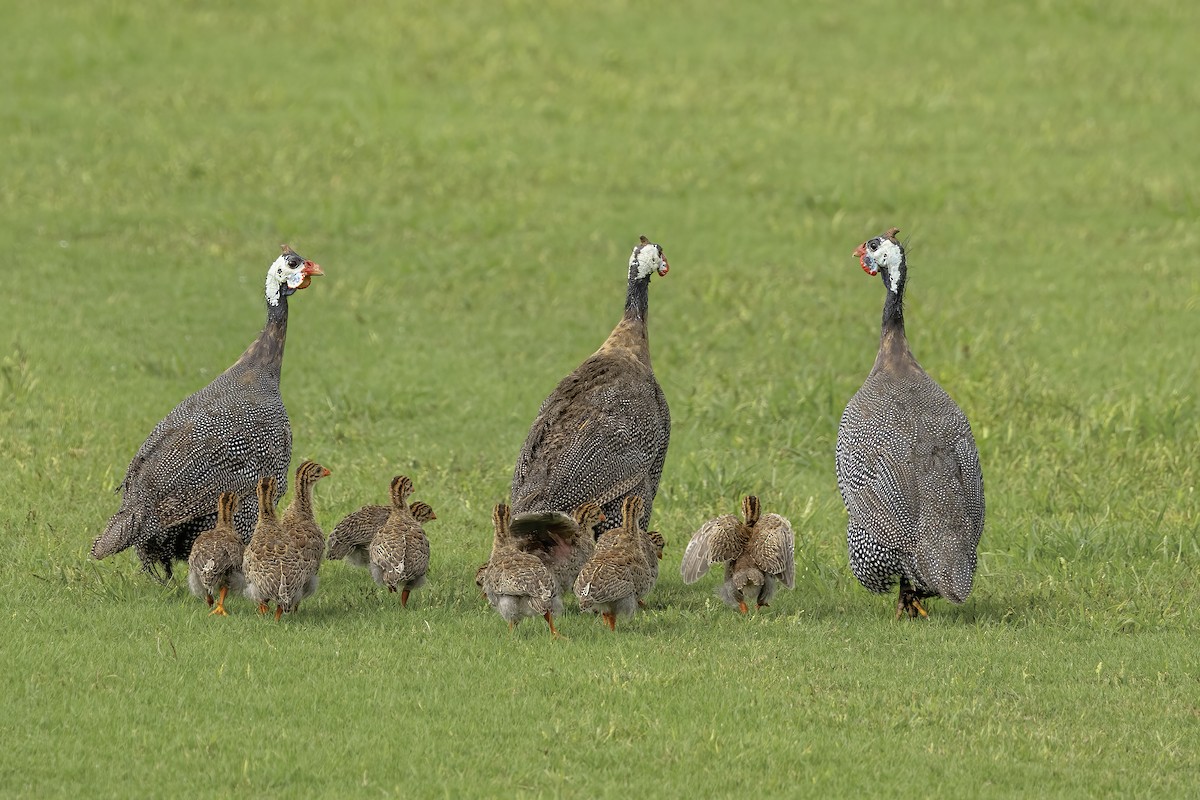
<point x="472" y="179"/>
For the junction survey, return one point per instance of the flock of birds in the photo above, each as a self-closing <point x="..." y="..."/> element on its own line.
<point x="205" y="485"/>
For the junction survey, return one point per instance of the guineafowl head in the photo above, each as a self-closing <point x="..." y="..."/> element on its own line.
<point x="290" y="273"/>
<point x="884" y="255"/>
<point x="647" y="257"/>
<point x="422" y="512"/>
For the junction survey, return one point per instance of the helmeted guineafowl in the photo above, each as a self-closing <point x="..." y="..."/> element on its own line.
<point x="223" y="438"/>
<point x="907" y="465"/>
<point x="602" y="434"/>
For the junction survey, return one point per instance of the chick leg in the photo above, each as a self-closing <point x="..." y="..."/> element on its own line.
<point x="220" y="607"/>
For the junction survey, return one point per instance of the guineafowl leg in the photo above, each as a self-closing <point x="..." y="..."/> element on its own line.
<point x="208" y="598"/>
<point x="263" y="607"/>
<point x="742" y="607"/>
<point x="610" y="619"/>
<point x="404" y="599"/>
<point x="220" y="609"/>
<point x="550" y="622"/>
<point x="278" y="612"/>
<point x="909" y="603"/>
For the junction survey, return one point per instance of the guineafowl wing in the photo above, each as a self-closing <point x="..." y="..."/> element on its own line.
<point x="222" y="438"/>
<point x="713" y="543"/>
<point x="875" y="471"/>
<point x="773" y="548"/>
<point x="599" y="436"/>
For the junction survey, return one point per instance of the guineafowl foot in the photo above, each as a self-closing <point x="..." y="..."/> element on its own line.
<point x="742" y="607"/>
<point x="610" y="620"/>
<point x="263" y="608"/>
<point x="909" y="605"/>
<point x="404" y="599"/>
<point x="220" y="609"/>
<point x="278" y="612"/>
<point x="208" y="598"/>
<point x="550" y="622"/>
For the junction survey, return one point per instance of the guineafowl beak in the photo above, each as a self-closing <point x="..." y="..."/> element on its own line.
<point x="308" y="270"/>
<point x="865" y="261"/>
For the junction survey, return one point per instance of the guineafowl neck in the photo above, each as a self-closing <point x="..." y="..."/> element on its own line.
<point x="266" y="352"/>
<point x="631" y="333"/>
<point x="303" y="500"/>
<point x="893" y="313"/>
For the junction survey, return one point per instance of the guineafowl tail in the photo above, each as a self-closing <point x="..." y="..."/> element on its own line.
<point x="948" y="568"/>
<point x="120" y="533"/>
<point x="543" y="524"/>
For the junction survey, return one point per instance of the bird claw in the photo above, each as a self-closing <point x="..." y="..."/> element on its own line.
<point x="909" y="605"/>
<point x="219" y="611"/>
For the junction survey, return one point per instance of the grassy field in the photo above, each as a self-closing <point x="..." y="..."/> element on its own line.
<point x="472" y="179"/>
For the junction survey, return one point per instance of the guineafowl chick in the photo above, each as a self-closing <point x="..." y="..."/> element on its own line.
<point x="618" y="573"/>
<point x="907" y="465"/>
<point x="351" y="538"/>
<point x="283" y="558"/>
<point x="563" y="542"/>
<point x="215" y="563"/>
<point x="517" y="584"/>
<point x="400" y="551"/>
<point x="758" y="552"/>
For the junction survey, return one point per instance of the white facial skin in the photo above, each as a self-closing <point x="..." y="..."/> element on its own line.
<point x="886" y="256"/>
<point x="646" y="258"/>
<point x="283" y="272"/>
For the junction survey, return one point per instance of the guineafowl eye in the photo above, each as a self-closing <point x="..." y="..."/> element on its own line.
<point x="873" y="244"/>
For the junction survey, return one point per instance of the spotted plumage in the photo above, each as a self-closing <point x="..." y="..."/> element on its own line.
<point x="602" y="434"/>
<point x="758" y="552"/>
<point x="215" y="563"/>
<point x="399" y="552"/>
<point x="618" y="574"/>
<point x="220" y="439"/>
<point x="283" y="558"/>
<point x="351" y="538"/>
<point x="517" y="584"/>
<point x="907" y="465"/>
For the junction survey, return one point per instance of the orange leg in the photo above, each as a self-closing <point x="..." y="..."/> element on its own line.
<point x="742" y="607"/>
<point x="220" y="609"/>
<point x="610" y="619"/>
<point x="404" y="599"/>
<point x="263" y="607"/>
<point x="550" y="622"/>
<point x="278" y="612"/>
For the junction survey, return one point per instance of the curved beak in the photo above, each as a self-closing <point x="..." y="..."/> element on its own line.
<point x="861" y="250"/>
<point x="308" y="270"/>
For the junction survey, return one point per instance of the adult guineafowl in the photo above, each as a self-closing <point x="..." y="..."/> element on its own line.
<point x="602" y="434"/>
<point x="907" y="465"/>
<point x="223" y="438"/>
